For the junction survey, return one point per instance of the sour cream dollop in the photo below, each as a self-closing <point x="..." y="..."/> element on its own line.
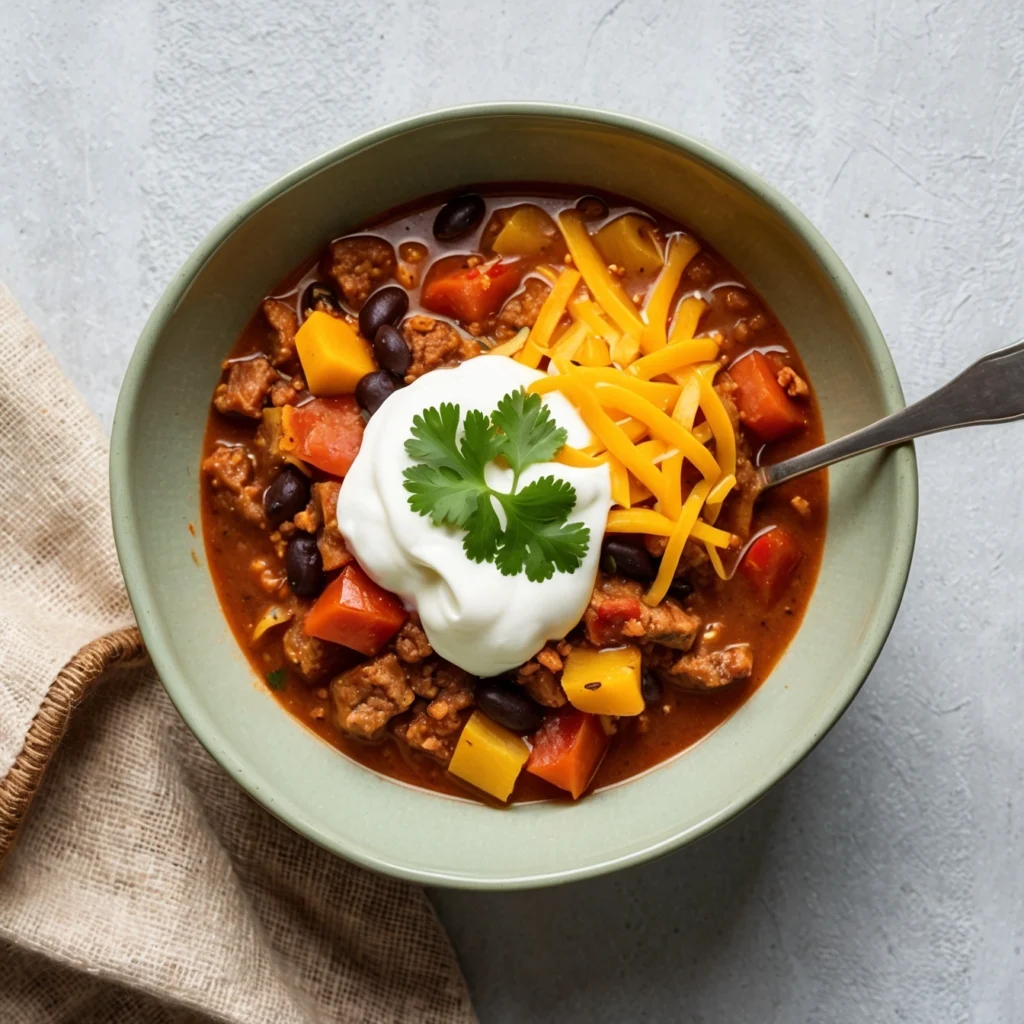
<point x="473" y="616"/>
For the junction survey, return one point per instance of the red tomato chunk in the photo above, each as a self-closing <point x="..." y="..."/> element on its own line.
<point x="354" y="612"/>
<point x="567" y="750"/>
<point x="470" y="295"/>
<point x="770" y="562"/>
<point x="764" y="407"/>
<point x="326" y="432"/>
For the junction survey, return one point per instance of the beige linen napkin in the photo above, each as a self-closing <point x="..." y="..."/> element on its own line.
<point x="144" y="885"/>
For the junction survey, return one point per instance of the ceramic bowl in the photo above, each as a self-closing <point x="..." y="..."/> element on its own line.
<point x="392" y="827"/>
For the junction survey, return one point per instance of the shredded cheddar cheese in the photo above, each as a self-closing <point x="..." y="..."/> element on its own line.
<point x="681" y="249"/>
<point x="643" y="383"/>
<point x="605" y="288"/>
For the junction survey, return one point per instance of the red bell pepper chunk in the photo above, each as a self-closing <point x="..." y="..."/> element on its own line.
<point x="354" y="612"/>
<point x="771" y="561"/>
<point x="567" y="750"/>
<point x="764" y="407"/>
<point x="326" y="432"/>
<point x="472" y="294"/>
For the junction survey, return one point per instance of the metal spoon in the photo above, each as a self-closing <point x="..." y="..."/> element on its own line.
<point x="988" y="391"/>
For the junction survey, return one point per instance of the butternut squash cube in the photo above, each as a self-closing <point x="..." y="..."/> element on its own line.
<point x="489" y="756"/>
<point x="604" y="682"/>
<point x="333" y="355"/>
<point x="528" y="231"/>
<point x="631" y="242"/>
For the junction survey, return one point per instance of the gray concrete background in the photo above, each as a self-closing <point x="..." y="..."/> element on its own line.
<point x="883" y="880"/>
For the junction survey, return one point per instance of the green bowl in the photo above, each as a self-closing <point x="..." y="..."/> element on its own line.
<point x="390" y="826"/>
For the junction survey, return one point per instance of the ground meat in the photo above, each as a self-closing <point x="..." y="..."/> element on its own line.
<point x="711" y="670"/>
<point x="617" y="614"/>
<point x="434" y="728"/>
<point x="310" y="519"/>
<point x="694" y="564"/>
<point x="435" y="343"/>
<point x="329" y="539"/>
<point x="368" y="696"/>
<point x="550" y="659"/>
<point x="792" y="383"/>
<point x="744" y="495"/>
<point x="313" y="658"/>
<point x="542" y="686"/>
<point x="360" y="265"/>
<point x="521" y="310"/>
<point x="738" y="510"/>
<point x="801" y="505"/>
<point x="287" y="392"/>
<point x="432" y="675"/>
<point x="411" y="644"/>
<point x="245" y="391"/>
<point x="231" y="480"/>
<point x="284" y="323"/>
<point x="433" y="737"/>
<point x="455" y="694"/>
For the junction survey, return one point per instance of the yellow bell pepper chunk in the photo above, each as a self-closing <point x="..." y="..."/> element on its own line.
<point x="630" y="242"/>
<point x="604" y="682"/>
<point x="528" y="231"/>
<point x="333" y="355"/>
<point x="489" y="756"/>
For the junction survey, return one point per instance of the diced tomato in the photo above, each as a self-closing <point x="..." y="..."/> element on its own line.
<point x="471" y="294"/>
<point x="567" y="750"/>
<point x="354" y="612"/>
<point x="770" y="562"/>
<point x="614" y="610"/>
<point x="764" y="407"/>
<point x="326" y="432"/>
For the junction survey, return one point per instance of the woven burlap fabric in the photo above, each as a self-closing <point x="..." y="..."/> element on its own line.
<point x="144" y="885"/>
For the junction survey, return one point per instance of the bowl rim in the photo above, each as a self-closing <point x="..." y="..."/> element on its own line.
<point x="157" y="640"/>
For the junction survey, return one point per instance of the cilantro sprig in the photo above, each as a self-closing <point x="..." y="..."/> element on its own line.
<point x="448" y="484"/>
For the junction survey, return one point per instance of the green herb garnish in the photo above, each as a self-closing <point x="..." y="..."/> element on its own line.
<point x="277" y="678"/>
<point x="449" y="485"/>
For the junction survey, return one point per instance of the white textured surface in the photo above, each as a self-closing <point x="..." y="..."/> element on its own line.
<point x="884" y="879"/>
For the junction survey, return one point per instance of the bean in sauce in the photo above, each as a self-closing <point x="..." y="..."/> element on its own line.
<point x="458" y="217"/>
<point x="286" y="497"/>
<point x="304" y="565"/>
<point x="384" y="306"/>
<point x="375" y="388"/>
<point x="391" y="351"/>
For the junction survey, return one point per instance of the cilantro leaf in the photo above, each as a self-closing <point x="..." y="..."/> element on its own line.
<point x="441" y="493"/>
<point x="277" y="678"/>
<point x="449" y="486"/>
<point x="529" y="434"/>
<point x="538" y="540"/>
<point x="434" y="441"/>
<point x="480" y="442"/>
<point x="483" y="531"/>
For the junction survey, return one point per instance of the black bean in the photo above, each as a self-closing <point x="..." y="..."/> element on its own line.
<point x="680" y="588"/>
<point x="286" y="497"/>
<point x="304" y="565"/>
<point x="592" y="207"/>
<point x="391" y="350"/>
<point x="650" y="687"/>
<point x="458" y="217"/>
<point x="319" y="296"/>
<point x="625" y="556"/>
<point x="384" y="306"/>
<point x="374" y="388"/>
<point x="506" y="704"/>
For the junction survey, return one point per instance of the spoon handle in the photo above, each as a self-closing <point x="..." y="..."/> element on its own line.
<point x="988" y="391"/>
